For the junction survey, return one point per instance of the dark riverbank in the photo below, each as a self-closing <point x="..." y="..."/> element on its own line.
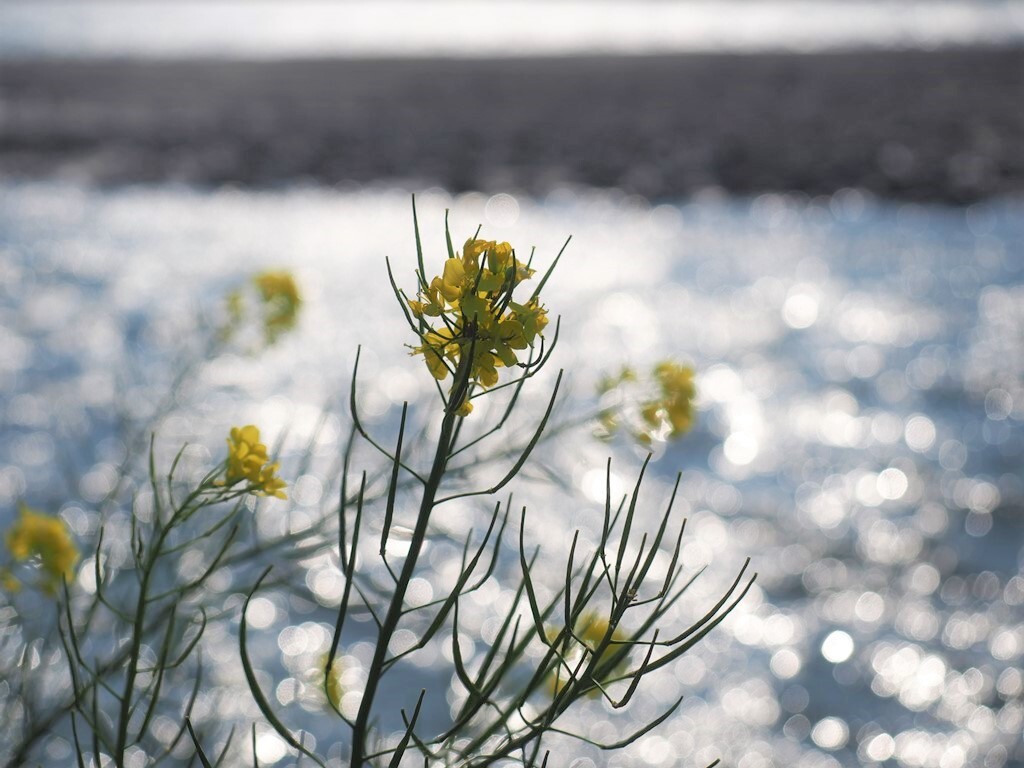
<point x="942" y="126"/>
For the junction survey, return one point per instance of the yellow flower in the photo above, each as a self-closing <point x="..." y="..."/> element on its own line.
<point x="591" y="628"/>
<point x="281" y="301"/>
<point x="473" y="297"/>
<point x="678" y="392"/>
<point x="500" y="258"/>
<point x="437" y="345"/>
<point x="474" y="249"/>
<point x="234" y="305"/>
<point x="277" y="296"/>
<point x="247" y="460"/>
<point x="651" y="414"/>
<point x="431" y="308"/>
<point x="270" y="484"/>
<point x="36" y="534"/>
<point x="608" y="383"/>
<point x="8" y="581"/>
<point x="661" y="410"/>
<point x="278" y="285"/>
<point x="452" y="282"/>
<point x="331" y="682"/>
<point x="246" y="454"/>
<point x="534" y="319"/>
<point x="484" y="369"/>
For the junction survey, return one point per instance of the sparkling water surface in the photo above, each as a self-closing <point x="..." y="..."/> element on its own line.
<point x="263" y="29"/>
<point x="859" y="435"/>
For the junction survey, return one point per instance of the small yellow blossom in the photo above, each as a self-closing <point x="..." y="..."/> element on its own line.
<point x="452" y="282"/>
<point x="247" y="460"/>
<point x="270" y="484"/>
<point x="437" y="346"/>
<point x="246" y="454"/>
<point x="36" y="534"/>
<point x="485" y="368"/>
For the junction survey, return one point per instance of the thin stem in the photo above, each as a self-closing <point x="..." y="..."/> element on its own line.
<point x="395" y="609"/>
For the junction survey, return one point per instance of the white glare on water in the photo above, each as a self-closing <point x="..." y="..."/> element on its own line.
<point x="305" y="28"/>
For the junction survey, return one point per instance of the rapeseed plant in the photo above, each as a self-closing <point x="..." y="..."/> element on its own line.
<point x="481" y="325"/>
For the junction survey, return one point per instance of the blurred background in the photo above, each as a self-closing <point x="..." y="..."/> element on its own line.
<point x="915" y="100"/>
<point x="817" y="204"/>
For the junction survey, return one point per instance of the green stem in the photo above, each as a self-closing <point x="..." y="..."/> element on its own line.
<point x="133" y="656"/>
<point x="395" y="609"/>
<point x="138" y="630"/>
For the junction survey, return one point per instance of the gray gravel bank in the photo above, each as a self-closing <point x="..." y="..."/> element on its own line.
<point x="943" y="126"/>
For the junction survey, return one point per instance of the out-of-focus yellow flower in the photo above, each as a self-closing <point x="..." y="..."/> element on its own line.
<point x="678" y="392"/>
<point x="281" y="302"/>
<point x="248" y="460"/>
<point x="234" y="305"/>
<point x="8" y="581"/>
<point x="591" y="629"/>
<point x="278" y="300"/>
<point x="660" y="408"/>
<point x="36" y="534"/>
<point x="330" y="683"/>
<point x="270" y="484"/>
<point x="607" y="383"/>
<point x="473" y="296"/>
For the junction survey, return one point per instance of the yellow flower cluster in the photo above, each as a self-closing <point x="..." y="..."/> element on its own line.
<point x="473" y="299"/>
<point x="667" y="414"/>
<point x="247" y="460"/>
<point x="46" y="537"/>
<point x="280" y="301"/>
<point x="591" y="629"/>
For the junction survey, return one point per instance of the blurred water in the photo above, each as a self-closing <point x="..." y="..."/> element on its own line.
<point x="459" y="28"/>
<point x="859" y="437"/>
